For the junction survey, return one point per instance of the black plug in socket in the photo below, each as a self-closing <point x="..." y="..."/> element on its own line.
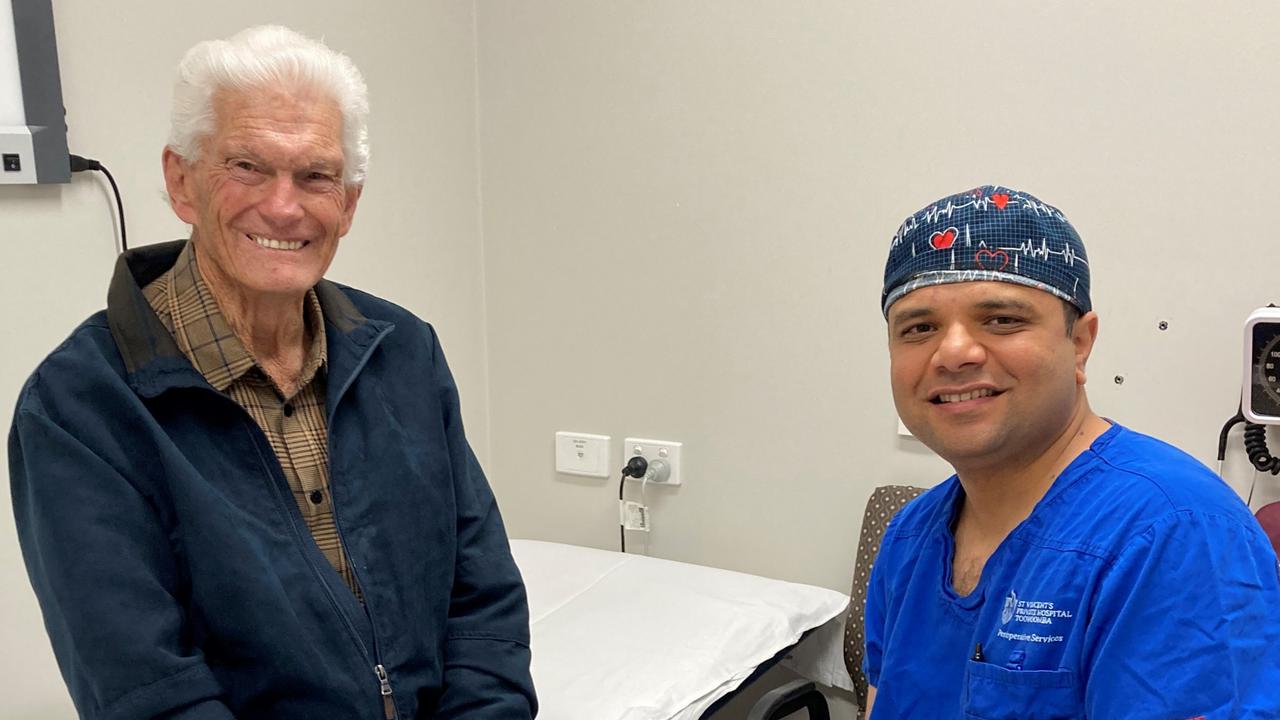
<point x="12" y="162"/>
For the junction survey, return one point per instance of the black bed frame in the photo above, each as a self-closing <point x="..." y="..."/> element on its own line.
<point x="781" y="701"/>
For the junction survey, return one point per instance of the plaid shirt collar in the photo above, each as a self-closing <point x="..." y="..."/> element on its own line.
<point x="188" y="309"/>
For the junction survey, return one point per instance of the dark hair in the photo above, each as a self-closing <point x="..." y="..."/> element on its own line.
<point x="1070" y="314"/>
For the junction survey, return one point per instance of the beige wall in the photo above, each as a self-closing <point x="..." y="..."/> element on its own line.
<point x="679" y="221"/>
<point x="415" y="240"/>
<point x="687" y="208"/>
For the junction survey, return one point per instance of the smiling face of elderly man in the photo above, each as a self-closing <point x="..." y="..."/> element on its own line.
<point x="266" y="197"/>
<point x="268" y="200"/>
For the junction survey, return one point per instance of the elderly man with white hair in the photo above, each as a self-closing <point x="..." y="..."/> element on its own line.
<point x="243" y="491"/>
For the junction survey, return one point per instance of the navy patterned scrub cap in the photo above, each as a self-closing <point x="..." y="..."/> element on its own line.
<point x="988" y="233"/>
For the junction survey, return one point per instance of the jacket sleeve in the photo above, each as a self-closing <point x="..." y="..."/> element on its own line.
<point x="1185" y="624"/>
<point x="105" y="578"/>
<point x="486" y="657"/>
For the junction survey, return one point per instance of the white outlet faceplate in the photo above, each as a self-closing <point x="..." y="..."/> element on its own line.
<point x="651" y="450"/>
<point x="582" y="454"/>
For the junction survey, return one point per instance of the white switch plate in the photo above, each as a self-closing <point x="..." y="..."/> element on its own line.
<point x="655" y="450"/>
<point x="582" y="454"/>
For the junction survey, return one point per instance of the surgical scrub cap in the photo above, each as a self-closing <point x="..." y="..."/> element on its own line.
<point x="988" y="233"/>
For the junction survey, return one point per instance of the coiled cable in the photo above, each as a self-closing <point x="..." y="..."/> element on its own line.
<point x="1255" y="445"/>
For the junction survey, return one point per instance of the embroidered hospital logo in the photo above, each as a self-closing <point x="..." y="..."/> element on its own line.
<point x="1010" y="605"/>
<point x="1039" y="612"/>
<point x="1035" y="612"/>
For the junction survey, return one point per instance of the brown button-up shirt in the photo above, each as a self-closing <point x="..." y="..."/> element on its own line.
<point x="295" y="426"/>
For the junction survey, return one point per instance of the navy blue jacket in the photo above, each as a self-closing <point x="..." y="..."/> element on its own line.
<point x="176" y="575"/>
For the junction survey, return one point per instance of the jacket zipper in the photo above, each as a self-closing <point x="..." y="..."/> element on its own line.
<point x="388" y="704"/>
<point x="384" y="683"/>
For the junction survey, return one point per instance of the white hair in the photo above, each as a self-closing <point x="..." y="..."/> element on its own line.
<point x="268" y="56"/>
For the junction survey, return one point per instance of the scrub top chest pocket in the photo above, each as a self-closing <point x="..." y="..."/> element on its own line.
<point x="996" y="693"/>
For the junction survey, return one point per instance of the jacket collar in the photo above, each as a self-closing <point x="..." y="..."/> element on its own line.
<point x="154" y="363"/>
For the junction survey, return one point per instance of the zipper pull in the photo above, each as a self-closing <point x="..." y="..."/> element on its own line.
<point x="388" y="705"/>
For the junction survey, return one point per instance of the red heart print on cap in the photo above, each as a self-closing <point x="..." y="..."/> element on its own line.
<point x="943" y="240"/>
<point x="988" y="260"/>
<point x="1000" y="199"/>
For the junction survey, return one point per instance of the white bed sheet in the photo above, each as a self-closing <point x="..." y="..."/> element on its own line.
<point x="630" y="637"/>
<point x="821" y="656"/>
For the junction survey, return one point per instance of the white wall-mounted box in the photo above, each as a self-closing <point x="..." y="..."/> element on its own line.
<point x="582" y="454"/>
<point x="33" y="126"/>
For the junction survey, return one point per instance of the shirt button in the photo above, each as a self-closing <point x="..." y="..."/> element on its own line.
<point x="317" y="497"/>
<point x="288" y="409"/>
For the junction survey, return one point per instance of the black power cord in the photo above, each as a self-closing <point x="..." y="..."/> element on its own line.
<point x="636" y="467"/>
<point x="1222" y="436"/>
<point x="81" y="164"/>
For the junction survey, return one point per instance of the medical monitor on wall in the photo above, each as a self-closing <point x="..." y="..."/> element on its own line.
<point x="33" y="129"/>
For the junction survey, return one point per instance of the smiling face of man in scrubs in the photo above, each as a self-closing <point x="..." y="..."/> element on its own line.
<point x="986" y="374"/>
<point x="1112" y="539"/>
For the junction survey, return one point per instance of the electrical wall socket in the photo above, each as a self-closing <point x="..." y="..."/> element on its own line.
<point x="650" y="450"/>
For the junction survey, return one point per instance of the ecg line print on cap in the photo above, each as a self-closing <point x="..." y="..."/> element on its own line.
<point x="989" y="233"/>
<point x="980" y="201"/>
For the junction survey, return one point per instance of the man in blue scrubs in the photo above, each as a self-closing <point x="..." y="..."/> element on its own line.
<point x="1071" y="568"/>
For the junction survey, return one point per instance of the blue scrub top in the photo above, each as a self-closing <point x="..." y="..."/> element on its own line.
<point x="1139" y="587"/>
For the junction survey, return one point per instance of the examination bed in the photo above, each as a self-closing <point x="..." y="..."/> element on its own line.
<point x="630" y="637"/>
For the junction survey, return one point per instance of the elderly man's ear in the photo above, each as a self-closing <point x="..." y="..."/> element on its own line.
<point x="351" y="199"/>
<point x="178" y="183"/>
